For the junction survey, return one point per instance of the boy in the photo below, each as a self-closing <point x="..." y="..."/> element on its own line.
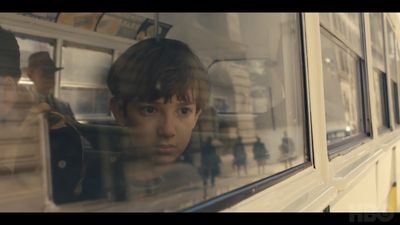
<point x="159" y="89"/>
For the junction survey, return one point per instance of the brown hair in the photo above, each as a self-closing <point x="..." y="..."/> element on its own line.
<point x="153" y="69"/>
<point x="9" y="55"/>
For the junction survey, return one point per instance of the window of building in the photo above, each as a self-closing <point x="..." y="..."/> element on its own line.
<point x="392" y="62"/>
<point x="395" y="95"/>
<point x="380" y="78"/>
<point x="342" y="59"/>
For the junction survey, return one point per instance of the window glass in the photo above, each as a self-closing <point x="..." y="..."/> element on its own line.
<point x="256" y="93"/>
<point x="253" y="128"/>
<point x="396" y="102"/>
<point x="378" y="51"/>
<point x="391" y="53"/>
<point x="23" y="135"/>
<point x="346" y="26"/>
<point x="380" y="78"/>
<point x="84" y="66"/>
<point x="89" y="102"/>
<point x="392" y="62"/>
<point x="21" y="139"/>
<point x="83" y="81"/>
<point x="342" y="90"/>
<point x="395" y="86"/>
<point x="397" y="59"/>
<point x="381" y="102"/>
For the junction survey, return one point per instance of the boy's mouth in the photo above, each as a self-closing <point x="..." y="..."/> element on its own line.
<point x="166" y="149"/>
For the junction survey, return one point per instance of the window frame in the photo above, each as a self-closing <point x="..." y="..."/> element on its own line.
<point x="395" y="100"/>
<point x="343" y="146"/>
<point x="384" y="80"/>
<point x="386" y="113"/>
<point x="392" y="70"/>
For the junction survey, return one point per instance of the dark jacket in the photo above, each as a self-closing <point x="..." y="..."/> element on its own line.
<point x="61" y="106"/>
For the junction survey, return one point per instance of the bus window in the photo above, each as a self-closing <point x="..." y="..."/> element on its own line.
<point x="86" y="93"/>
<point x="254" y="126"/>
<point x="250" y="126"/>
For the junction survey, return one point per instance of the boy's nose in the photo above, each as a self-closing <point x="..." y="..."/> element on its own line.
<point x="166" y="128"/>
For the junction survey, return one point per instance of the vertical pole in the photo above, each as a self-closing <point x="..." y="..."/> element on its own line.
<point x="272" y="108"/>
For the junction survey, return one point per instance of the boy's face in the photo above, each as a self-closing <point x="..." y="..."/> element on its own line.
<point x="160" y="131"/>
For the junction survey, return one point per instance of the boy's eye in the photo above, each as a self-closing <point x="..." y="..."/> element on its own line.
<point x="185" y="110"/>
<point x="148" y="109"/>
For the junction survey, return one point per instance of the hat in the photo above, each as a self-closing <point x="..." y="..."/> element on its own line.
<point x="9" y="54"/>
<point x="42" y="60"/>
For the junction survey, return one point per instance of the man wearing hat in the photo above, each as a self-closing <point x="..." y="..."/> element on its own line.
<point x="65" y="141"/>
<point x="41" y="70"/>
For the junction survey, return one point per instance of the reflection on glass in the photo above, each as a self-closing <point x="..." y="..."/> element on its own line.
<point x="21" y="172"/>
<point x="84" y="66"/>
<point x="83" y="81"/>
<point x="21" y="177"/>
<point x="381" y="102"/>
<point x="252" y="129"/>
<point x="87" y="102"/>
<point x="341" y="91"/>
<point x="346" y="26"/>
<point x="28" y="46"/>
<point x="397" y="59"/>
<point x="391" y="54"/>
<point x="392" y="62"/>
<point x="376" y="27"/>
<point x="395" y="100"/>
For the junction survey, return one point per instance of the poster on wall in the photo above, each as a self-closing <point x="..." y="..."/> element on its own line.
<point x="44" y="16"/>
<point x="130" y="26"/>
<point x="147" y="29"/>
<point x="86" y="21"/>
<point x="120" y="24"/>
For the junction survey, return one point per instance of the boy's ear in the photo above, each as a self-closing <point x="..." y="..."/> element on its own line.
<point x="117" y="111"/>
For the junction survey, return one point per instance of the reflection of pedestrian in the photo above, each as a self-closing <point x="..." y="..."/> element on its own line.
<point x="287" y="150"/>
<point x="260" y="154"/>
<point x="240" y="157"/>
<point x="209" y="163"/>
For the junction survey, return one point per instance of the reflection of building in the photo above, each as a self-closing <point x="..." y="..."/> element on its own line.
<point x="255" y="78"/>
<point x="261" y="99"/>
<point x="220" y="105"/>
<point x="243" y="103"/>
<point x="231" y="87"/>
